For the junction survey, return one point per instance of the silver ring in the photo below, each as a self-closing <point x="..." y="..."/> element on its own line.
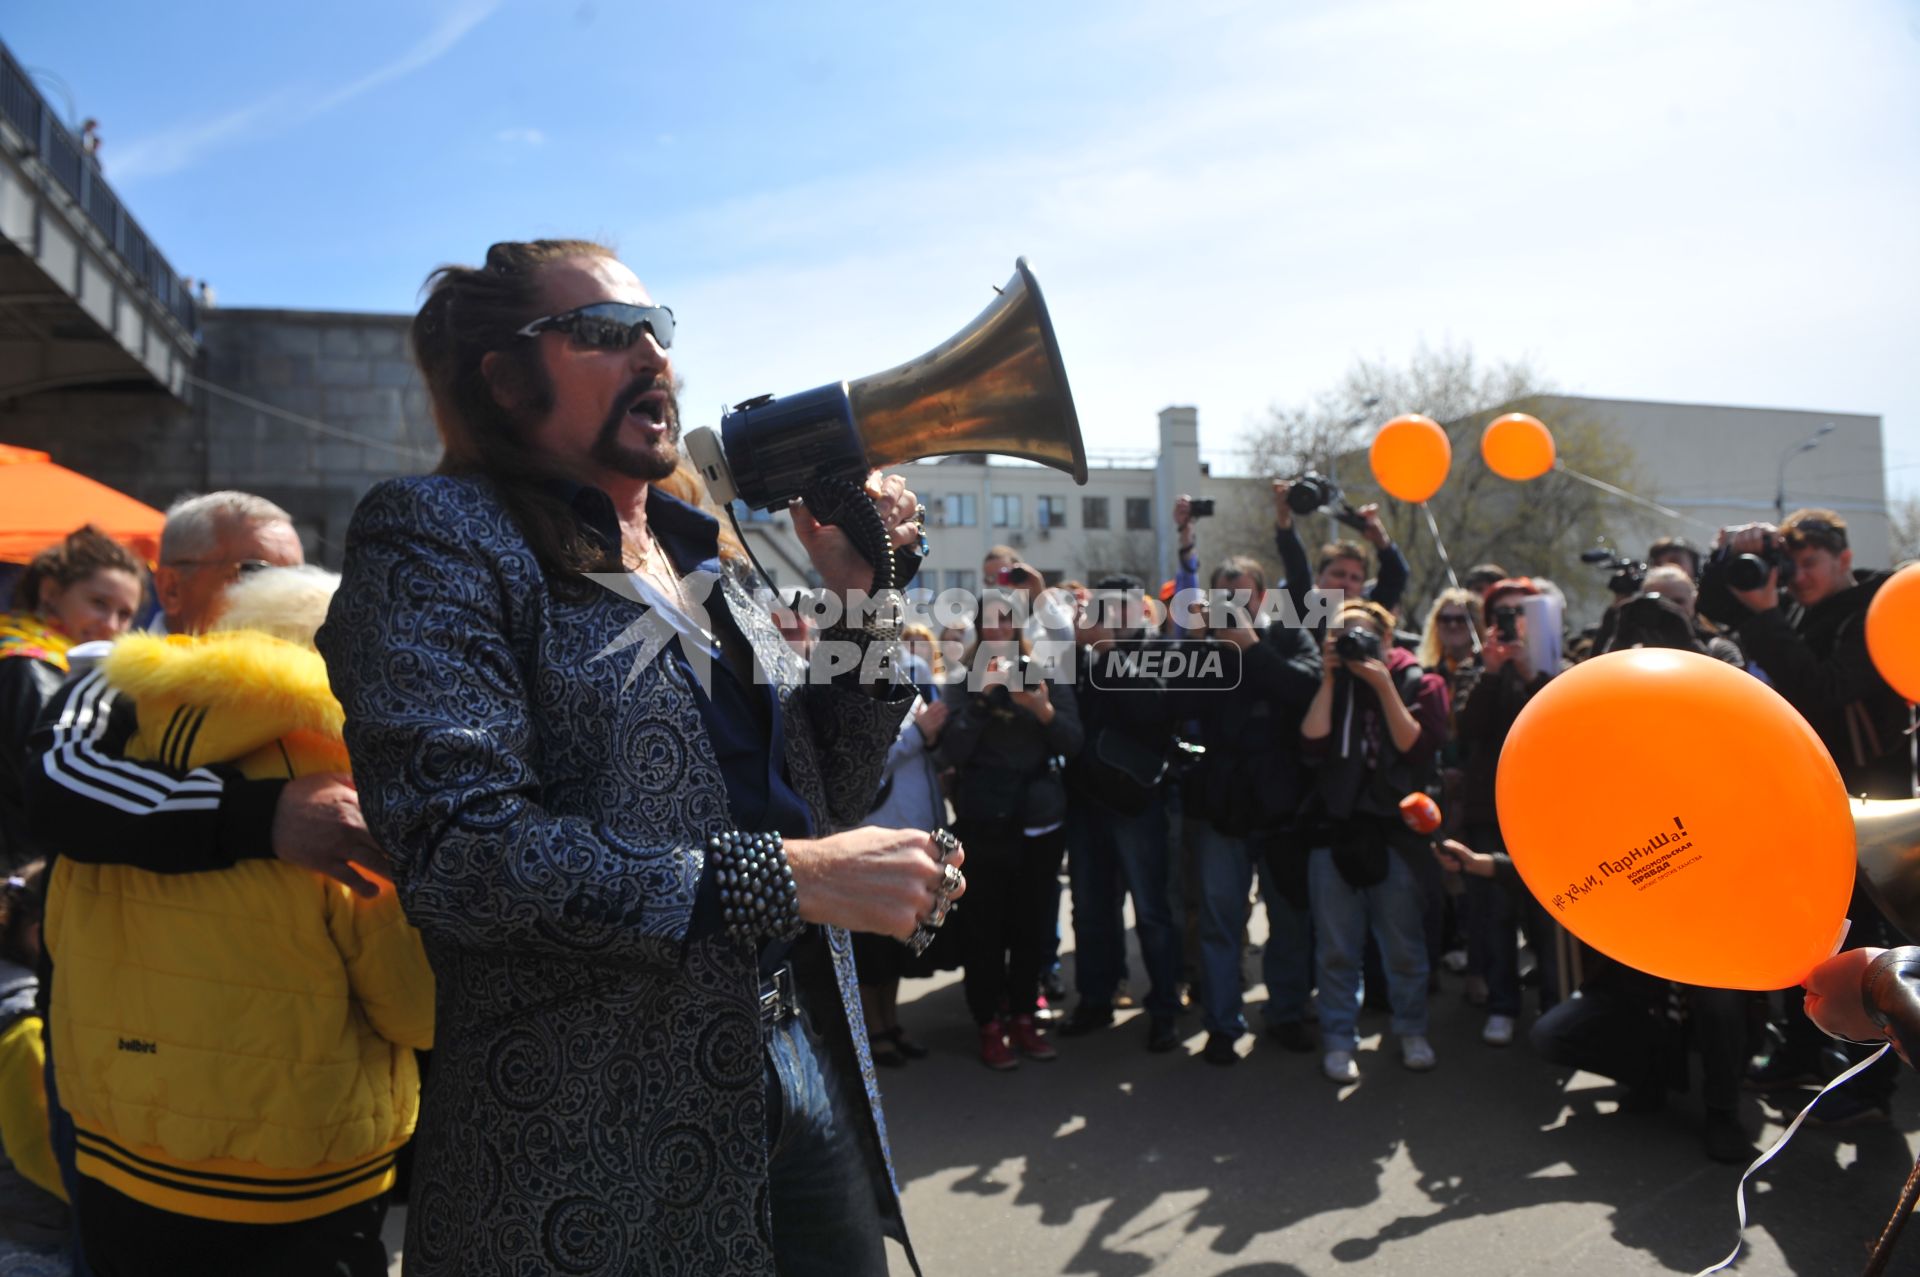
<point x="951" y="880"/>
<point x="944" y="843"/>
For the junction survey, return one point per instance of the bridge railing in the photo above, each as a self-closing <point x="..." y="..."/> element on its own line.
<point x="22" y="105"/>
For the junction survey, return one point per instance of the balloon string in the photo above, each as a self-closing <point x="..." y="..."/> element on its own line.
<point x="1740" y="1189"/>
<point x="1445" y="562"/>
<point x="1624" y="495"/>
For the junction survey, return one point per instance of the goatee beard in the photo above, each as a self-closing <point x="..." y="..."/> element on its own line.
<point x="649" y="464"/>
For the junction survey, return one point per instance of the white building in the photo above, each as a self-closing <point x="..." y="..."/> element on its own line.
<point x="1714" y="465"/>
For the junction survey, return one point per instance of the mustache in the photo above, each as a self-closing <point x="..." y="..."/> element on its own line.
<point x="630" y="393"/>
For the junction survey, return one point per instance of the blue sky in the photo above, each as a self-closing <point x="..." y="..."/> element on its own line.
<point x="1226" y="203"/>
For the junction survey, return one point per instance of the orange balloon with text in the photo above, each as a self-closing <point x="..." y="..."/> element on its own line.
<point x="1679" y="816"/>
<point x="1410" y="457"/>
<point x="1517" y="446"/>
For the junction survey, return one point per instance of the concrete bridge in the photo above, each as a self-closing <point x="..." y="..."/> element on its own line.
<point x="86" y="299"/>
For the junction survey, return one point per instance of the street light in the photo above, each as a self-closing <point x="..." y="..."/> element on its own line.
<point x="1808" y="444"/>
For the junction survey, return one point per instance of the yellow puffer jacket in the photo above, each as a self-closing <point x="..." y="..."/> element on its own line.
<point x="235" y="1045"/>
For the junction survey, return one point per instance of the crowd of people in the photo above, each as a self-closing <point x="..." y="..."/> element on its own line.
<point x="440" y="876"/>
<point x="1178" y="799"/>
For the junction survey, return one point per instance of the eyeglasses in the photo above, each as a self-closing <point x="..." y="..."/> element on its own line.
<point x="242" y="567"/>
<point x="607" y="325"/>
<point x="1456" y="619"/>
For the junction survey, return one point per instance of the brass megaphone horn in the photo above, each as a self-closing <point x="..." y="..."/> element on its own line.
<point x="996" y="386"/>
<point x="1886" y="836"/>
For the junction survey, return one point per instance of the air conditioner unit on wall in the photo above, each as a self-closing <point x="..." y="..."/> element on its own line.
<point x="1016" y="539"/>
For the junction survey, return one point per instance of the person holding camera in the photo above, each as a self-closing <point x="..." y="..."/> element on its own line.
<point x="1343" y="564"/>
<point x="1506" y="683"/>
<point x="1003" y="739"/>
<point x="1370" y="737"/>
<point x="1815" y="655"/>
<point x="1237" y="805"/>
<point x="1117" y="837"/>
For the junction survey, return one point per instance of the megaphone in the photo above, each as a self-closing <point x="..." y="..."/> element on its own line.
<point x="996" y="386"/>
<point x="1886" y="836"/>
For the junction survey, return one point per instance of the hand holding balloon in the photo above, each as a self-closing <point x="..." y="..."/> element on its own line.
<point x="1833" y="1000"/>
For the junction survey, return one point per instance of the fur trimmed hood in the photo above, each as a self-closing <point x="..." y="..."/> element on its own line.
<point x="279" y="687"/>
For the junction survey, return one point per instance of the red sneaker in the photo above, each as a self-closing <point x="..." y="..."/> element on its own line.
<point x="994" y="1051"/>
<point x="1028" y="1039"/>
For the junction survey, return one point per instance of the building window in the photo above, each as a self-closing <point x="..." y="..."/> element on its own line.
<point x="1139" y="513"/>
<point x="959" y="510"/>
<point x="1006" y="510"/>
<point x="1050" y="512"/>
<point x="959" y="579"/>
<point x="1093" y="512"/>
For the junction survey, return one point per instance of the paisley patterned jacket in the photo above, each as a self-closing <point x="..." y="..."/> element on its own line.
<point x="595" y="1103"/>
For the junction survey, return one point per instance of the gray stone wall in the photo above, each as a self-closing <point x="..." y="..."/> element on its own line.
<point x="349" y="372"/>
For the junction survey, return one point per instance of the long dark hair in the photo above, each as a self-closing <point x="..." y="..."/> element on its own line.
<point x="470" y="313"/>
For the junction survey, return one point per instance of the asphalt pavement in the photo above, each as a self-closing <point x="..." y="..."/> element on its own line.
<point x="1114" y="1162"/>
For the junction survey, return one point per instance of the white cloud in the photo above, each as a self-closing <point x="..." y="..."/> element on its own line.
<point x="172" y="150"/>
<point x="520" y="137"/>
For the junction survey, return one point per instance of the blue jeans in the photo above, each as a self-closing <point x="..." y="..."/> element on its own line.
<point x="1226" y="867"/>
<point x="1110" y="855"/>
<point x="1341" y="914"/>
<point x="826" y="1219"/>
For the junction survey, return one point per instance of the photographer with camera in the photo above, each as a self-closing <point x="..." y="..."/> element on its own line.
<point x="1117" y="837"/>
<point x="1370" y="737"/>
<point x="1815" y="655"/>
<point x="1236" y="803"/>
<point x="1343" y="564"/>
<point x="1507" y="682"/>
<point x="1662" y="615"/>
<point x="1009" y="801"/>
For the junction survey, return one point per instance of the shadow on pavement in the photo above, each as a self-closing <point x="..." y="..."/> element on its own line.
<point x="1116" y="1162"/>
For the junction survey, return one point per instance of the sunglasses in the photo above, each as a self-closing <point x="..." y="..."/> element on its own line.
<point x="607" y="325"/>
<point x="1507" y="613"/>
<point x="1452" y="620"/>
<point x="243" y="567"/>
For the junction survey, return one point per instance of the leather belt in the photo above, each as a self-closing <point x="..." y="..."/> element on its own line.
<point x="779" y="1000"/>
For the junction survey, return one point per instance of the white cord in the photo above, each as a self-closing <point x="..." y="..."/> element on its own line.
<point x="1740" y="1189"/>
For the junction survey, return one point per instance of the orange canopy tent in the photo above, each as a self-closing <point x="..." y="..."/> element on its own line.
<point x="41" y="502"/>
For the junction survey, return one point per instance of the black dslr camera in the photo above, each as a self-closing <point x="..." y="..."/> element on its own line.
<point x="1726" y="571"/>
<point x="1311" y="491"/>
<point x="1628" y="574"/>
<point x="1357" y="643"/>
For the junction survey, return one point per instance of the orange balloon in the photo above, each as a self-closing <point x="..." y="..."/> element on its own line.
<point x="1676" y="814"/>
<point x="1517" y="446"/>
<point x="1893" y="631"/>
<point x="1410" y="457"/>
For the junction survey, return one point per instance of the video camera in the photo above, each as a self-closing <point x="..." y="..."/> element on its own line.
<point x="1311" y="491"/>
<point x="1628" y="574"/>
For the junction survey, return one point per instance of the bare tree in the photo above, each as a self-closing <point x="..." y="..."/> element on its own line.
<point x="1904" y="516"/>
<point x="1535" y="528"/>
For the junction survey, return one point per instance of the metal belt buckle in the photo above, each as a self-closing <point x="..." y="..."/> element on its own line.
<point x="777" y="1002"/>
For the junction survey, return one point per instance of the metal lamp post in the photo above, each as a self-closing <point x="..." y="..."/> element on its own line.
<point x="1808" y="444"/>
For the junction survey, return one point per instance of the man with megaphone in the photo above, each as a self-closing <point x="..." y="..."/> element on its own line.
<point x="609" y="791"/>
